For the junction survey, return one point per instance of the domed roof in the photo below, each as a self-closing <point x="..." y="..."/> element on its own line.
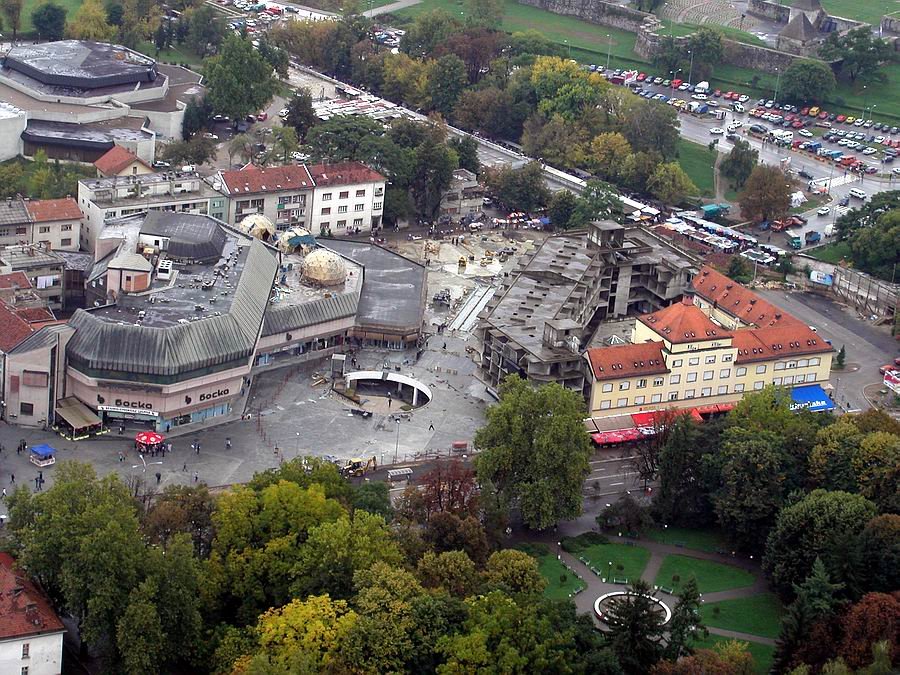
<point x="294" y="238"/>
<point x="258" y="226"/>
<point x="324" y="268"/>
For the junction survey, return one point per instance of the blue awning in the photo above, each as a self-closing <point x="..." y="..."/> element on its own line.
<point x="43" y="450"/>
<point x="811" y="397"/>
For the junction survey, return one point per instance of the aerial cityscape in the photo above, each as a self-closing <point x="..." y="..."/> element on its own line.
<point x="449" y="336"/>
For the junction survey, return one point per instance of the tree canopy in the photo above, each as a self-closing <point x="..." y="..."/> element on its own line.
<point x="239" y="81"/>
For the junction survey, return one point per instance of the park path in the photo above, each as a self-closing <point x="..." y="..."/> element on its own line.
<point x="393" y="7"/>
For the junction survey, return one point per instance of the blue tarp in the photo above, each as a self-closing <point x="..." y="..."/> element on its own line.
<point x="43" y="451"/>
<point x="812" y="397"/>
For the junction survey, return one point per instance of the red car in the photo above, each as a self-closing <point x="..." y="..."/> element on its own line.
<point x="789" y="117"/>
<point x="735" y="96"/>
<point x="797" y="124"/>
<point x="641" y="77"/>
<point x="823" y="115"/>
<point x="804" y="112"/>
<point x="840" y="118"/>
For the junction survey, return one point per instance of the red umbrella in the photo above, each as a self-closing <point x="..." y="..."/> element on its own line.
<point x="149" y="438"/>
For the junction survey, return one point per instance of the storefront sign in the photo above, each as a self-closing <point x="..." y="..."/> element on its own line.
<point x="127" y="409"/>
<point x="215" y="394"/>
<point x="121" y="403"/>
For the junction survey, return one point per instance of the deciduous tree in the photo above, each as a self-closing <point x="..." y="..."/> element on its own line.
<point x="561" y="208"/>
<point x="453" y="571"/>
<point x="670" y="184"/>
<point x="879" y="546"/>
<point x="49" y="21"/>
<point x="514" y="571"/>
<point x="739" y="163"/>
<point x="707" y="48"/>
<point x="238" y="80"/>
<point x="301" y="115"/>
<point x="859" y="52"/>
<point x="518" y="189"/>
<point x="446" y="81"/>
<point x="607" y="153"/>
<point x="875" y="618"/>
<point x="466" y="148"/>
<point x="450" y="487"/>
<point x="89" y="23"/>
<point x="766" y="194"/>
<point x="651" y="127"/>
<point x="12" y="10"/>
<point x="807" y="81"/>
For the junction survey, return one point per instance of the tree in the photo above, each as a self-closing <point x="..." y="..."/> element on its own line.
<point x="879" y="546"/>
<point x="766" y="194"/>
<point x="181" y="509"/>
<point x="194" y="119"/>
<point x="831" y="459"/>
<point x="139" y="632"/>
<point x="876" y="248"/>
<point x="434" y="167"/>
<point x="841" y="357"/>
<point x="89" y="23"/>
<point x="725" y="658"/>
<point x="686" y="625"/>
<point x="651" y="127"/>
<point x="446" y="81"/>
<point x="485" y="13"/>
<point x="561" y="208"/>
<point x="877" y="468"/>
<point x="534" y="451"/>
<point x="626" y="515"/>
<point x="739" y="269"/>
<point x="681" y="498"/>
<point x="635" y="634"/>
<point x="49" y="21"/>
<point x="466" y="148"/>
<point x="874" y="618"/>
<point x="670" y="56"/>
<point x="822" y="525"/>
<point x="242" y="146"/>
<point x="12" y="10"/>
<point x="448" y="532"/>
<point x="670" y="184"/>
<point x="198" y="150"/>
<point x="453" y="571"/>
<point x="707" y="48"/>
<point x="514" y="571"/>
<point x="374" y="498"/>
<point x="859" y="52"/>
<point x="489" y="110"/>
<point x="301" y="115"/>
<point x="428" y="31"/>
<point x="518" y="189"/>
<point x="607" y="152"/>
<point x="739" y="163"/>
<point x="449" y="487"/>
<point x="284" y="140"/>
<point x="12" y="180"/>
<point x="206" y="31"/>
<point x="238" y="80"/>
<point x="276" y="57"/>
<point x="807" y="81"/>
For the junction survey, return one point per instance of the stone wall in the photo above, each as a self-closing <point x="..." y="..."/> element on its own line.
<point x="595" y="11"/>
<point x="766" y="9"/>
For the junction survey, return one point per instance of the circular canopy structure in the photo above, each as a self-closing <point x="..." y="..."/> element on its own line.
<point x="324" y="268"/>
<point x="149" y="438"/>
<point x="258" y="226"/>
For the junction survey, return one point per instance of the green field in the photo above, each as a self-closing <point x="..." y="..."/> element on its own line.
<point x="633" y="560"/>
<point x="28" y="6"/>
<point x="683" y="29"/>
<point x="711" y="576"/>
<point x="869" y="11"/>
<point x="756" y="615"/>
<point x="831" y="253"/>
<point x="176" y="54"/>
<point x="710" y="540"/>
<point x="698" y="162"/>
<point x="552" y="569"/>
<point x="762" y="654"/>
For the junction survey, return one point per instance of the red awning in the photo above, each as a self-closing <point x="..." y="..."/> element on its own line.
<point x="620" y="436"/>
<point x="714" y="408"/>
<point x="149" y="438"/>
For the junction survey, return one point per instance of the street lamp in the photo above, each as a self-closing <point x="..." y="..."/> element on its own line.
<point x="569" y="47"/>
<point x="608" y="49"/>
<point x="397" y="446"/>
<point x="777" y="82"/>
<point x="691" y="71"/>
<point x="673" y="73"/>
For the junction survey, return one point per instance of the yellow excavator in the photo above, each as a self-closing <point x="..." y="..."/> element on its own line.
<point x="358" y="467"/>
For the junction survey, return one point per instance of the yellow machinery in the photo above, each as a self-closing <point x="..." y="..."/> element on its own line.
<point x="358" y="467"/>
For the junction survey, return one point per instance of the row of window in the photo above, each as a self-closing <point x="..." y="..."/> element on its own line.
<point x="341" y="224"/>
<point x="326" y="210"/>
<point x="42" y="229"/>
<point x="721" y="390"/>
<point x="345" y="194"/>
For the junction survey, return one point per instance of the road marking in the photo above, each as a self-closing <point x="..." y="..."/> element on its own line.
<point x="611" y="484"/>
<point x="616" y="459"/>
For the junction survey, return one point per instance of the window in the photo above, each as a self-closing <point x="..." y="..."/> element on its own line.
<point x="604" y="405"/>
<point x="708" y="374"/>
<point x="710" y="359"/>
<point x="26" y="409"/>
<point x="357" y="222"/>
<point x="24" y="670"/>
<point x="758" y="385"/>
<point x="815" y="361"/>
<point x="802" y="363"/>
<point x="740" y="372"/>
<point x="65" y="242"/>
<point x="44" y="229"/>
<point x="779" y="365"/>
<point x="326" y="197"/>
<point x="789" y="379"/>
<point x="35" y="378"/>
<point x="706" y="391"/>
<point x="342" y="209"/>
<point x="361" y="193"/>
<point x="359" y="207"/>
<point x="673" y="395"/>
<point x="656" y="398"/>
<point x="776" y="381"/>
<point x="674" y="379"/>
<point x="376" y="206"/>
<point x="623" y="386"/>
<point x="723" y="389"/>
<point x="342" y="223"/>
<point x="760" y="369"/>
<point x="641" y="384"/>
<point x="792" y="364"/>
<point x="26" y="648"/>
<point x="344" y="194"/>
<point x="692" y="377"/>
<point x="658" y="381"/>
<point x="724" y="373"/>
<point x="607" y="388"/>
<point x="622" y="402"/>
<point x="66" y="228"/>
<point x="325" y="224"/>
<point x="326" y="211"/>
<point x="738" y="388"/>
<point x="676" y="363"/>
<point x="20" y="230"/>
<point x="727" y="358"/>
<point x="694" y="361"/>
<point x="639" y="400"/>
<point x="799" y="379"/>
<point x="689" y="393"/>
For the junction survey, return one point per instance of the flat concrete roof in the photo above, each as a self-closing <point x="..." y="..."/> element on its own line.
<point x="25" y="102"/>
<point x="67" y="133"/>
<point x="103" y="189"/>
<point x="80" y="64"/>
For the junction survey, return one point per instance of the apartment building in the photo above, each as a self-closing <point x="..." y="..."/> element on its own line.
<point x="44" y="269"/>
<point x="720" y="341"/>
<point x="348" y="197"/>
<point x="283" y="194"/>
<point x="464" y="196"/>
<point x="52" y="223"/>
<point x="117" y="196"/>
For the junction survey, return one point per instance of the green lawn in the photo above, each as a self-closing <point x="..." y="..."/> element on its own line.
<point x="697" y="162"/>
<point x="831" y="253"/>
<point x="28" y="6"/>
<point x="633" y="560"/>
<point x="552" y="569"/>
<point x="762" y="654"/>
<point x="756" y="615"/>
<point x="700" y="540"/>
<point x="869" y="11"/>
<point x="711" y="576"/>
<point x="683" y="29"/>
<point x="177" y="54"/>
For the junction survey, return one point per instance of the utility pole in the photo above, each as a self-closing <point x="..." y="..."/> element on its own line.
<point x="608" y="49"/>
<point x="691" y="71"/>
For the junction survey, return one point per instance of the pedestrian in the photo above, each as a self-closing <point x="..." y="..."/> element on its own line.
<point x="196" y="476"/>
<point x="158" y="477"/>
<point x="169" y="447"/>
<point x="431" y="427"/>
<point x="193" y="446"/>
<point x="184" y="468"/>
<point x="168" y="426"/>
<point x="4" y="493"/>
<point x="12" y="478"/>
<point x="198" y="448"/>
<point x="41" y="476"/>
<point x="445" y="345"/>
<point x="227" y="443"/>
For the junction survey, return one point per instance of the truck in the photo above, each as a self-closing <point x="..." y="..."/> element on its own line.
<point x="701" y="88"/>
<point x="813" y="237"/>
<point x="698" y="108"/>
<point x="358" y="467"/>
<point x="794" y="239"/>
<point x="713" y="210"/>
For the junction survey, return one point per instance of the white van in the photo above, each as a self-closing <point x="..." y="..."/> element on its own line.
<point x="738" y="108"/>
<point x="859" y="194"/>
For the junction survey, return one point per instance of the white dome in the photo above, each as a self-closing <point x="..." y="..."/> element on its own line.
<point x="324" y="268"/>
<point x="258" y="226"/>
<point x="294" y="238"/>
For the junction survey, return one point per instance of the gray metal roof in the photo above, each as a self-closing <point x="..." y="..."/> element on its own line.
<point x="45" y="337"/>
<point x="75" y="260"/>
<point x="81" y="64"/>
<point x="13" y="212"/>
<point x="281" y="318"/>
<point x="104" y="345"/>
<point x="190" y="237"/>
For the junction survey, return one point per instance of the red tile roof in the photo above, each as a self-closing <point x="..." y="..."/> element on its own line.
<point x="738" y="301"/>
<point x="683" y="322"/>
<point x="765" y="344"/>
<point x="252" y="179"/>
<point x="24" y="609"/>
<point x="116" y="159"/>
<point x="613" y="363"/>
<point x="13" y="328"/>
<point x="36" y="314"/>
<point x="14" y="280"/>
<point x="344" y="173"/>
<point x="47" y="210"/>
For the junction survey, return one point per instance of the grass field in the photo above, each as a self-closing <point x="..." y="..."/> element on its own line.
<point x="756" y="615"/>
<point x="762" y="654"/>
<point x="698" y="162"/>
<point x="869" y="11"/>
<point x="831" y="253"/>
<point x="176" y="54"/>
<point x="682" y="29"/>
<point x="552" y="570"/>
<point x="711" y="576"/>
<point x="699" y="540"/>
<point x="633" y="560"/>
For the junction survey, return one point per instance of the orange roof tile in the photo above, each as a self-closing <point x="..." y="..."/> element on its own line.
<point x="613" y="363"/>
<point x="13" y="328"/>
<point x="682" y="322"/>
<point x="36" y="314"/>
<point x="115" y="159"/>
<point x="47" y="210"/>
<point x="14" y="280"/>
<point x="765" y="344"/>
<point x="344" y="173"/>
<point x="24" y="609"/>
<point x="253" y="179"/>
<point x="738" y="301"/>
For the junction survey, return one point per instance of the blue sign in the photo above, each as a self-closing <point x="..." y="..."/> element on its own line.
<point x="810" y="397"/>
